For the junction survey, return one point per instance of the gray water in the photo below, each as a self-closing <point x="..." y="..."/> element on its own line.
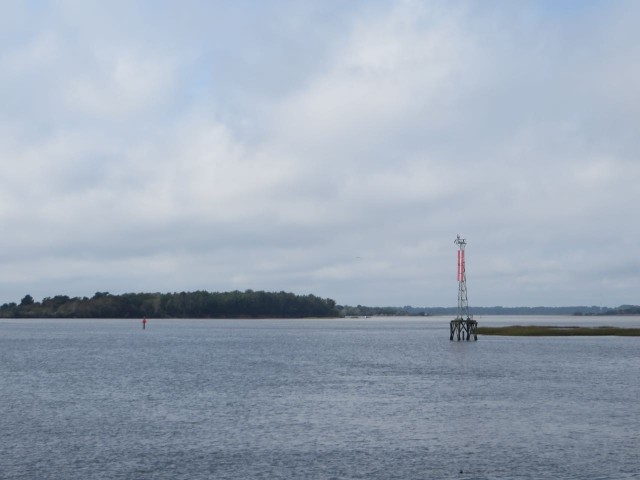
<point x="317" y="399"/>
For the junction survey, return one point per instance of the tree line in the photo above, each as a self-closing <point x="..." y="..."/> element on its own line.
<point x="250" y="304"/>
<point x="199" y="304"/>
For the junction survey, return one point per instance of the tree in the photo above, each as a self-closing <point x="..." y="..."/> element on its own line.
<point x="27" y="300"/>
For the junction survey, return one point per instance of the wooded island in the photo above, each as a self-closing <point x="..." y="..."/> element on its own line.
<point x="199" y="304"/>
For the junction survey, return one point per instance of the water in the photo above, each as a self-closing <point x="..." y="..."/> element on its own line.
<point x="317" y="399"/>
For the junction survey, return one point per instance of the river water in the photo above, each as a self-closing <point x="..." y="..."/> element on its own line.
<point x="315" y="399"/>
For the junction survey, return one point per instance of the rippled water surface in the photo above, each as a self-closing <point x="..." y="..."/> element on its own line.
<point x="334" y="399"/>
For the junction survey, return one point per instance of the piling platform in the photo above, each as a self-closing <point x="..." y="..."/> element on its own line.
<point x="463" y="327"/>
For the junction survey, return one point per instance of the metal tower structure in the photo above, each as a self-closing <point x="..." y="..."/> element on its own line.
<point x="463" y="323"/>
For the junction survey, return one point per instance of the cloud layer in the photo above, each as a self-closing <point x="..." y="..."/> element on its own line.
<point x="321" y="148"/>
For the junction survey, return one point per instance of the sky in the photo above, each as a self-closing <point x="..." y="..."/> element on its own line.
<point x="322" y="147"/>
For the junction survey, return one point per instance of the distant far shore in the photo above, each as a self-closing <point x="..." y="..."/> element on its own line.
<point x="558" y="331"/>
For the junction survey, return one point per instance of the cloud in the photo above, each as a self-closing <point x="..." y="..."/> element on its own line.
<point x="121" y="86"/>
<point x="321" y="148"/>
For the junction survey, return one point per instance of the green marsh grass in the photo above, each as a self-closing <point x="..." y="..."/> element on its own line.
<point x="557" y="331"/>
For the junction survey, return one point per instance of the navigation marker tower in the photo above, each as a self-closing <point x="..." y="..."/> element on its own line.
<point x="463" y="323"/>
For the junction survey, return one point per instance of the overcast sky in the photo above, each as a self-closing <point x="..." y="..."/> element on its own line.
<point x="322" y="146"/>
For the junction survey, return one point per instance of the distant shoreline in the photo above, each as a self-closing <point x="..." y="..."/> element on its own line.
<point x="558" y="331"/>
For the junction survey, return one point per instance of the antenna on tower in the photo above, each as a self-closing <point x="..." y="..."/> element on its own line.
<point x="463" y="323"/>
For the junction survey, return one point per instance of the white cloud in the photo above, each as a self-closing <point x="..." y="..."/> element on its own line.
<point x="170" y="152"/>
<point x="121" y="85"/>
<point x="389" y="72"/>
<point x="41" y="51"/>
